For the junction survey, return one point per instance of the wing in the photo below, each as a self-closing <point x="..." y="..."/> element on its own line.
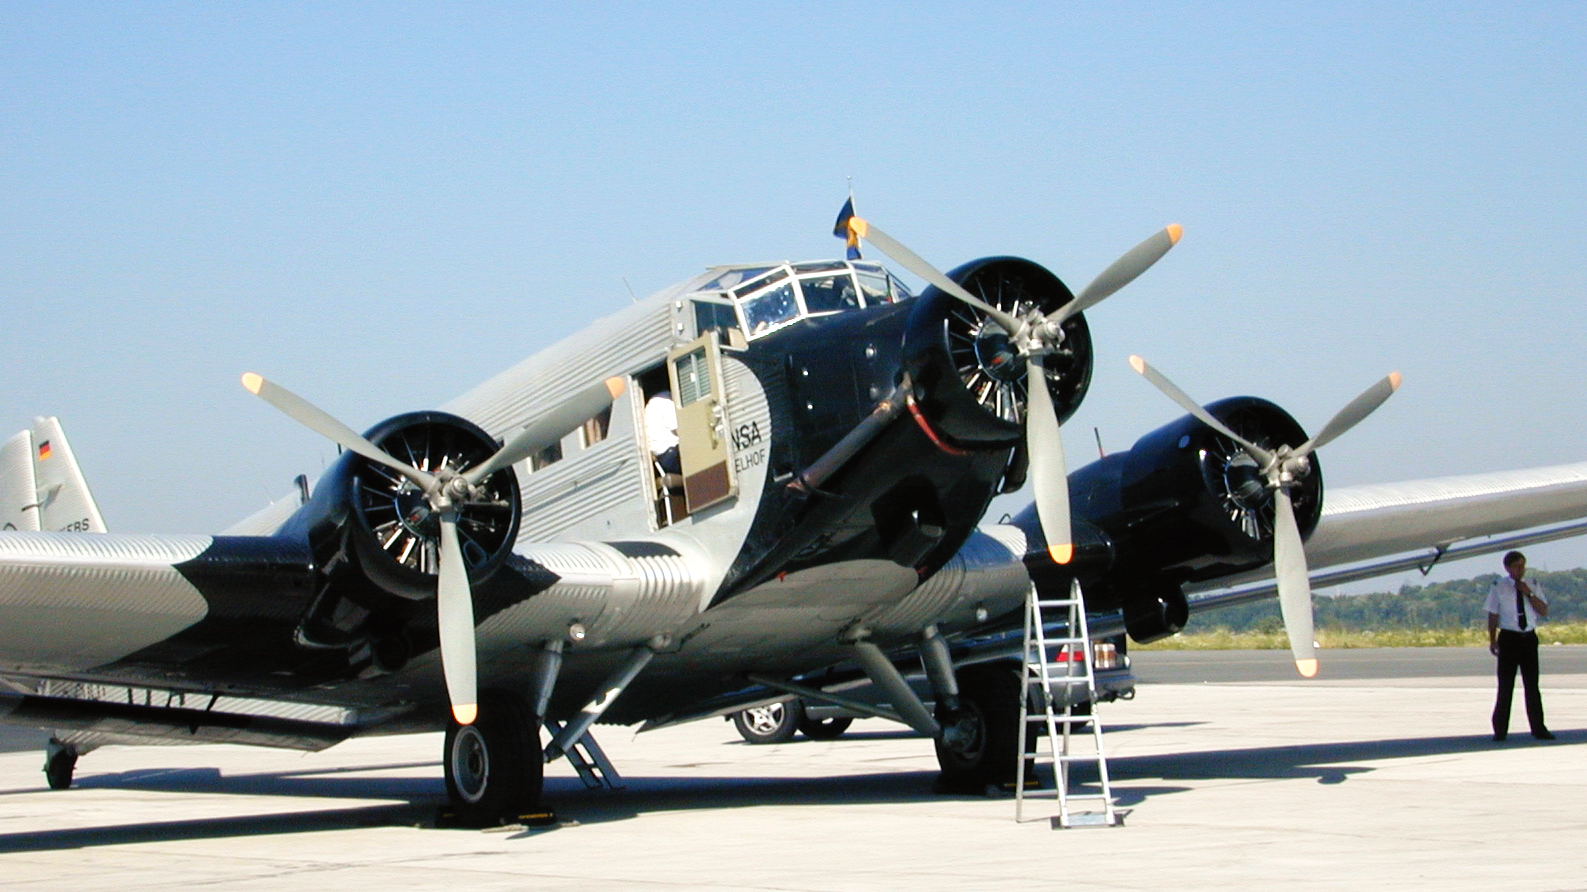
<point x="235" y="637"/>
<point x="1378" y="529"/>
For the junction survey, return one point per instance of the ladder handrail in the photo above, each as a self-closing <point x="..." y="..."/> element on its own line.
<point x="1035" y="672"/>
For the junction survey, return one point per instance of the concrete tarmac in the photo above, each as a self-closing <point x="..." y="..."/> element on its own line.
<point x="1387" y="781"/>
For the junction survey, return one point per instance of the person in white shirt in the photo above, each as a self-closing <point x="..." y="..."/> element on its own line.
<point x="1515" y="606"/>
<point x="661" y="431"/>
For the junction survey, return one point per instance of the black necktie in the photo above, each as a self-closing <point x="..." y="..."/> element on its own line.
<point x="1520" y="607"/>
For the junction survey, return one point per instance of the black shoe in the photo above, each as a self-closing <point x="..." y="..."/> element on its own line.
<point x="1499" y="736"/>
<point x="1544" y="734"/>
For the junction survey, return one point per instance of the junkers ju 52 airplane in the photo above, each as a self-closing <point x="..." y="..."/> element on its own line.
<point x="522" y="562"/>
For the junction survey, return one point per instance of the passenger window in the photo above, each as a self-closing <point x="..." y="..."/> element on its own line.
<point x="594" y="430"/>
<point x="546" y="457"/>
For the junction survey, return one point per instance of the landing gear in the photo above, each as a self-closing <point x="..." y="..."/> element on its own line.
<point x="60" y="760"/>
<point x="774" y="723"/>
<point x="982" y="739"/>
<point x="495" y="768"/>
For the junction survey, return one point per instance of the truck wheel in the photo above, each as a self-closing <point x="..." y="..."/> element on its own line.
<point x="824" y="729"/>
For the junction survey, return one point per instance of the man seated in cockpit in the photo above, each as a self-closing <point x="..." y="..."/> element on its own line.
<point x="830" y="293"/>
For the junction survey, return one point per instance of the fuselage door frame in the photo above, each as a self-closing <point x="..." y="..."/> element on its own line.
<point x="694" y="371"/>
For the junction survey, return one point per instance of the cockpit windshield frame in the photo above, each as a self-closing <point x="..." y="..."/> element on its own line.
<point x="768" y="298"/>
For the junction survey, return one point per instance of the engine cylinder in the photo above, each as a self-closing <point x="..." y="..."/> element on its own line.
<point x="968" y="377"/>
<point x="373" y="521"/>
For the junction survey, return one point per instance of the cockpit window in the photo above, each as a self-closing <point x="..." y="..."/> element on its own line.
<point x="708" y="316"/>
<point x="829" y="294"/>
<point x="734" y="278"/>
<point x="874" y="284"/>
<point x="772" y="308"/>
<point x="776" y="275"/>
<point x="746" y="302"/>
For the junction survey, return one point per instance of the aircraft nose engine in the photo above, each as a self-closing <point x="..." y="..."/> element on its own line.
<point x="971" y="379"/>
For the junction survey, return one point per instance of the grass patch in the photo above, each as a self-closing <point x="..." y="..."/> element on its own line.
<point x="1275" y="639"/>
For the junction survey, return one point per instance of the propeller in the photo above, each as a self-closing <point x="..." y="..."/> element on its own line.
<point x="447" y="490"/>
<point x="1283" y="467"/>
<point x="1034" y="336"/>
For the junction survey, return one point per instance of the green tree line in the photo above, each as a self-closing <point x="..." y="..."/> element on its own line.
<point x="1455" y="604"/>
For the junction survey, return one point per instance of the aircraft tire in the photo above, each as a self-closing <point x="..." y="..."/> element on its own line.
<point x="495" y="768"/>
<point x="773" y="723"/>
<point x="988" y="719"/>
<point x="823" y="729"/>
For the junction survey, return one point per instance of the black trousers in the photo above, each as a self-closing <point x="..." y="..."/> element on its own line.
<point x="1518" y="650"/>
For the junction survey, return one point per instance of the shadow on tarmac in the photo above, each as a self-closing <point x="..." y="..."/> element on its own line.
<point x="1132" y="777"/>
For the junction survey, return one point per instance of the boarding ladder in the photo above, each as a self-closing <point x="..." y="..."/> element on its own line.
<point x="588" y="759"/>
<point x="1073" y="676"/>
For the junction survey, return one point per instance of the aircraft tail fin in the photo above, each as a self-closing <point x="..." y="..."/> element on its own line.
<point x="41" y="485"/>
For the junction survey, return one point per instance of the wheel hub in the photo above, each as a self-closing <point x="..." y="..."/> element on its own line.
<point x="470" y="763"/>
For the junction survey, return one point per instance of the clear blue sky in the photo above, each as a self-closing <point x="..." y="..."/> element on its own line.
<point x="379" y="204"/>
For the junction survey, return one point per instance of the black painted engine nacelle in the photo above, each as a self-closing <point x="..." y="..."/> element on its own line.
<point x="966" y="377"/>
<point x="374" y="536"/>
<point x="1186" y="503"/>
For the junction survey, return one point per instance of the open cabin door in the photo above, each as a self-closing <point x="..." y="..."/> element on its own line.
<point x="695" y="373"/>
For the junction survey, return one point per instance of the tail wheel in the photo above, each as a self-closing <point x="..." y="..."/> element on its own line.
<point x="495" y="768"/>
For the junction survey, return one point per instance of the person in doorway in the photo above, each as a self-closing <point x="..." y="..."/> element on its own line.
<point x="1515" y="606"/>
<point x="661" y="431"/>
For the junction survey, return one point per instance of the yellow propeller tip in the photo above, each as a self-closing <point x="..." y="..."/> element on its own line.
<point x="465" y="713"/>
<point x="1138" y="364"/>
<point x="1175" y="233"/>
<point x="1307" y="668"/>
<point x="1394" y="380"/>
<point x="1063" y="554"/>
<point x="254" y="383"/>
<point x="616" y="385"/>
<point x="859" y="226"/>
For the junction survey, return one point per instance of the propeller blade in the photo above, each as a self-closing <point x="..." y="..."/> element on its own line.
<point x="454" y="606"/>
<point x="1125" y="270"/>
<point x="916" y="264"/>
<point x="1350" y="415"/>
<point x="1294" y="589"/>
<point x="316" y="419"/>
<point x="1048" y="467"/>
<point x="550" y="427"/>
<point x="1194" y="408"/>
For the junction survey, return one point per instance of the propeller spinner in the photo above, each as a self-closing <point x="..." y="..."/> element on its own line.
<point x="1035" y="335"/>
<point x="1282" y="468"/>
<point x="447" y="490"/>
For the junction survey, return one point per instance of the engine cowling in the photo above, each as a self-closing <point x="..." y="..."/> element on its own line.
<point x="1190" y="504"/>
<point x="1183" y="504"/>
<point x="966" y="377"/>
<point x="373" y="533"/>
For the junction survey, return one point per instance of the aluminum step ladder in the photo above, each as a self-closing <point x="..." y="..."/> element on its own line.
<point x="1065" y="745"/>
<point x="588" y="759"/>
